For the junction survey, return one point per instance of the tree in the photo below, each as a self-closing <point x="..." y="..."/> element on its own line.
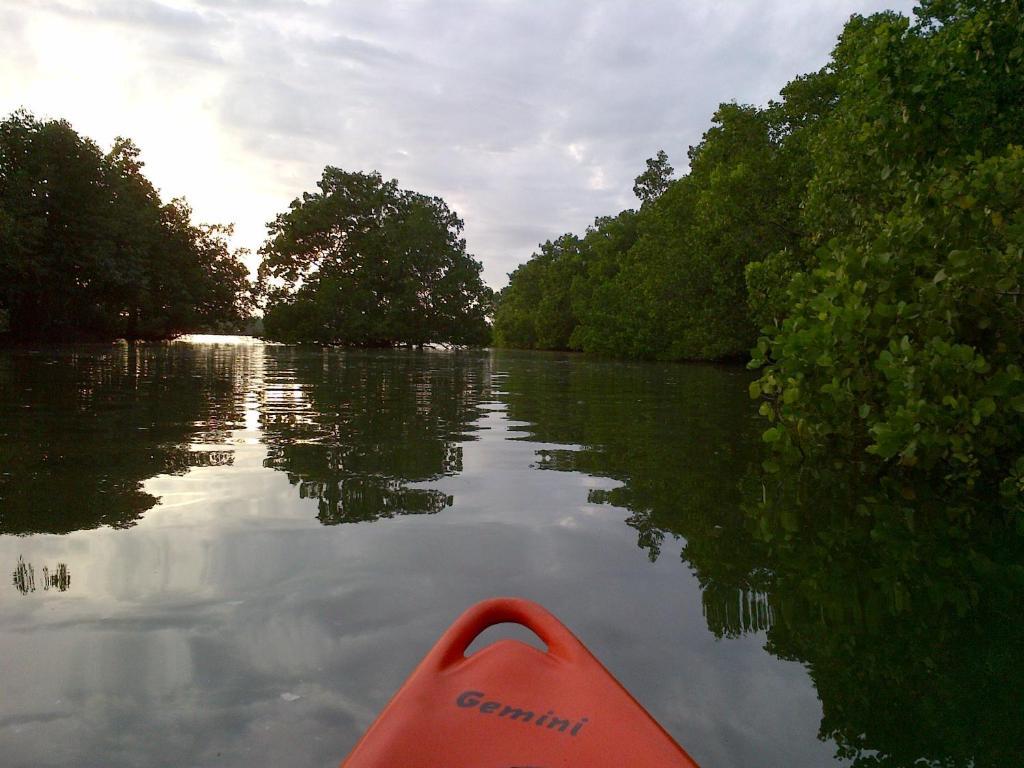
<point x="732" y="208"/>
<point x="650" y="184"/>
<point x="87" y="249"/>
<point x="364" y="263"/>
<point x="902" y="344"/>
<point x="52" y="187"/>
<point x="598" y="300"/>
<point x="535" y="311"/>
<point x="794" y="122"/>
<point x="668" y="282"/>
<point x="208" y="283"/>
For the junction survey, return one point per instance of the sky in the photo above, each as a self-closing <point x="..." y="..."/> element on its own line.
<point x="529" y="117"/>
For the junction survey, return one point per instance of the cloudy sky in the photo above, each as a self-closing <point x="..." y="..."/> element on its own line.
<point x="529" y="117"/>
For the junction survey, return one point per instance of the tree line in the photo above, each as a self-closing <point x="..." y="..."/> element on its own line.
<point x="89" y="251"/>
<point x="860" y="239"/>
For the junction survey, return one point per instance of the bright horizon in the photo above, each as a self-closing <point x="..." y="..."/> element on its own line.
<point x="528" y="119"/>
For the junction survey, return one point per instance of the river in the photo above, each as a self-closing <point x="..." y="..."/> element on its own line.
<point x="226" y="553"/>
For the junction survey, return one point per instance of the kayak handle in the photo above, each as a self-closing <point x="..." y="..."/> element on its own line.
<point x="561" y="643"/>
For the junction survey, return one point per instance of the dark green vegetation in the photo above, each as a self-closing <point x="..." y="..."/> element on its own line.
<point x="870" y="223"/>
<point x="902" y="345"/>
<point x="364" y="263"/>
<point x="667" y="282"/>
<point x="88" y="250"/>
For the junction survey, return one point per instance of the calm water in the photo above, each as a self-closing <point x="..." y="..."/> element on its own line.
<point x="232" y="554"/>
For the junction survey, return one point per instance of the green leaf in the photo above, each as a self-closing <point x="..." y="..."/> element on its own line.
<point x="986" y="406"/>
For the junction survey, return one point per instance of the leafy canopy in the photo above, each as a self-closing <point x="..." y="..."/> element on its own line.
<point x="650" y="184"/>
<point x="365" y="263"/>
<point x="88" y="250"/>
<point x="901" y="343"/>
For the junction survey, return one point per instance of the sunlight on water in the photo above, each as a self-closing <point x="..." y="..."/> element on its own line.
<point x="214" y="338"/>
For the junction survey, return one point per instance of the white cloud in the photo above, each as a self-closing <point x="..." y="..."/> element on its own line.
<point x="529" y="118"/>
<point x="597" y="180"/>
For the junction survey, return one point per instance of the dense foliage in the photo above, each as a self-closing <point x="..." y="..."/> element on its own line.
<point x="87" y="249"/>
<point x="364" y="263"/>
<point x="667" y="282"/>
<point x="903" y="342"/>
<point x="870" y="224"/>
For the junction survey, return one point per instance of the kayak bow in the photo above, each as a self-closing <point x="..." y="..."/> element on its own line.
<point x="510" y="704"/>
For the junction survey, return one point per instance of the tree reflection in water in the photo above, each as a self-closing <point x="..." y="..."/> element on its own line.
<point x="357" y="431"/>
<point x="904" y="606"/>
<point x="676" y="438"/>
<point x="81" y="428"/>
<point x="24" y="577"/>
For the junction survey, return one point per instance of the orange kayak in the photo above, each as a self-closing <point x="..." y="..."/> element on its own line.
<point x="510" y="704"/>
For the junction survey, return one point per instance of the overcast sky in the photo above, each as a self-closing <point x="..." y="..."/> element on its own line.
<point x="529" y="118"/>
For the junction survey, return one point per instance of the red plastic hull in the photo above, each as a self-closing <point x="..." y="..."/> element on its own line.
<point x="510" y="705"/>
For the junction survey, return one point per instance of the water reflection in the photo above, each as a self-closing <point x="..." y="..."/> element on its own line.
<point x="182" y="635"/>
<point x="905" y="608"/>
<point x="81" y="428"/>
<point x="675" y="438"/>
<point x="24" y="578"/>
<point x="359" y="432"/>
<point x="906" y="613"/>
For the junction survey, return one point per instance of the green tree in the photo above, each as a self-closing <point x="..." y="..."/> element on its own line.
<point x="87" y="249"/>
<point x="680" y="292"/>
<point x="794" y="122"/>
<point x="207" y="283"/>
<point x="52" y="190"/>
<point x="598" y="300"/>
<point x="364" y="263"/>
<point x="902" y="345"/>
<point x="655" y="179"/>
<point x="535" y="311"/>
<point x="668" y="282"/>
